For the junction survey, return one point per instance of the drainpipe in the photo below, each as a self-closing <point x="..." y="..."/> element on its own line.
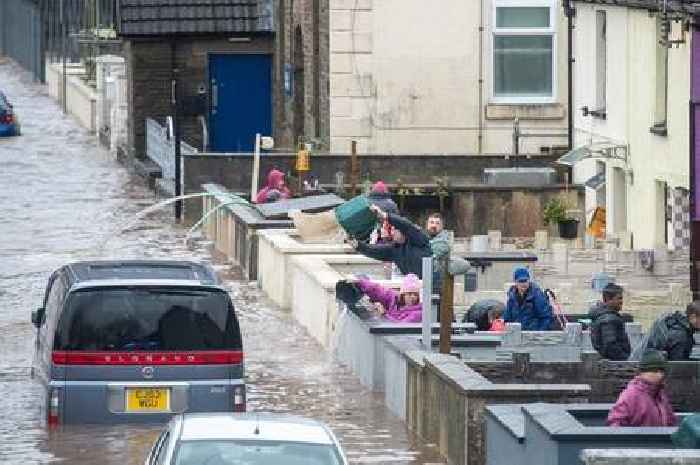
<point x="480" y="135"/>
<point x="694" y="131"/>
<point x="570" y="14"/>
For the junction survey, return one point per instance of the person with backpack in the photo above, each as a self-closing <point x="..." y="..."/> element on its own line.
<point x="608" y="334"/>
<point x="673" y="333"/>
<point x="527" y="304"/>
<point x="644" y="401"/>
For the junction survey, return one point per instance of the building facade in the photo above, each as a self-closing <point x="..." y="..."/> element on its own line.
<point x="632" y="87"/>
<point x="398" y="77"/>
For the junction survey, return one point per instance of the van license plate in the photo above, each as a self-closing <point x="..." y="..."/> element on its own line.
<point x="147" y="400"/>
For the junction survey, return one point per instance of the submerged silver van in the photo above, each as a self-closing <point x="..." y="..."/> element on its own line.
<point x="137" y="341"/>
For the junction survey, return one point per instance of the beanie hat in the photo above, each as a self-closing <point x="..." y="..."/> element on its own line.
<point x="652" y="360"/>
<point x="521" y="274"/>
<point x="410" y="283"/>
<point x="380" y="188"/>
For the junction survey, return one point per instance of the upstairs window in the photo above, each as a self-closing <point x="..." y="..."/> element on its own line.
<point x="600" y="63"/>
<point x="659" y="126"/>
<point x="524" y="44"/>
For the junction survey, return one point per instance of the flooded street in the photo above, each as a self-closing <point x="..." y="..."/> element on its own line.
<point x="61" y="197"/>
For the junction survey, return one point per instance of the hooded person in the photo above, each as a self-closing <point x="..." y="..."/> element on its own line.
<point x="402" y="306"/>
<point x="644" y="401"/>
<point x="275" y="189"/>
<point x="381" y="197"/>
<point x="674" y="333"/>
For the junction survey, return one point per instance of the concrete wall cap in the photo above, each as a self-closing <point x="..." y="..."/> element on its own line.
<point x="673" y="456"/>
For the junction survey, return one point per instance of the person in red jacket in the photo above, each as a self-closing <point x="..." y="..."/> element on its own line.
<point x="275" y="189"/>
<point x="644" y="401"/>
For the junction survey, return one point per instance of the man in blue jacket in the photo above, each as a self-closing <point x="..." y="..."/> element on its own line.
<point x="527" y="304"/>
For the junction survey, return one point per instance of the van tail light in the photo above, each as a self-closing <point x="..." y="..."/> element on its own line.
<point x="7" y="119"/>
<point x="239" y="398"/>
<point x="201" y="357"/>
<point x="54" y="410"/>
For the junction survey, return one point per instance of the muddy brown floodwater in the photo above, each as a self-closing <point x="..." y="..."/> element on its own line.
<point x="61" y="195"/>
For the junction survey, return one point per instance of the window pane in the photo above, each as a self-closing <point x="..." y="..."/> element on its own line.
<point x="522" y="16"/>
<point x="523" y="66"/>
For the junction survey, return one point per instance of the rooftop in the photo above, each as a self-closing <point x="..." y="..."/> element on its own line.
<point x="271" y="427"/>
<point x="141" y="270"/>
<point x="192" y="17"/>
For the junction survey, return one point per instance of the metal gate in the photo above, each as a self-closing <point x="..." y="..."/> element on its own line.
<point x="21" y="36"/>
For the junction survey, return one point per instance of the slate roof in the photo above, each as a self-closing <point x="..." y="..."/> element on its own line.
<point x="186" y="17"/>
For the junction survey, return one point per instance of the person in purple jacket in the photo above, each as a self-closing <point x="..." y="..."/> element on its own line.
<point x="644" y="401"/>
<point x="402" y="306"/>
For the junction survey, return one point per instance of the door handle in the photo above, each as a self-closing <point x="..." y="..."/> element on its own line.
<point x="214" y="96"/>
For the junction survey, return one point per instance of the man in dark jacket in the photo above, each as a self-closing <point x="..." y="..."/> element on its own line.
<point x="408" y="248"/>
<point x="608" y="333"/>
<point x="527" y="304"/>
<point x="673" y="333"/>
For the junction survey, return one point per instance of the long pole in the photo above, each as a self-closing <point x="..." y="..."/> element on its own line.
<point x="256" y="169"/>
<point x="64" y="31"/>
<point x="176" y="135"/>
<point x="354" y="168"/>
<point x="693" y="144"/>
<point x="446" y="307"/>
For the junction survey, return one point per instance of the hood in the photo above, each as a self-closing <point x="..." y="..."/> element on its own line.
<point x="273" y="178"/>
<point x="442" y="235"/>
<point x="678" y="320"/>
<point x="639" y="385"/>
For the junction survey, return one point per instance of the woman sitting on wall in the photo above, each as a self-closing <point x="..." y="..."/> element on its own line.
<point x="402" y="306"/>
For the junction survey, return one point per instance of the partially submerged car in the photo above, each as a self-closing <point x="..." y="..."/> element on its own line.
<point x="9" y="123"/>
<point x="137" y="341"/>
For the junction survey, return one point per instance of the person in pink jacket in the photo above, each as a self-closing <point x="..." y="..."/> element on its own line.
<point x="403" y="306"/>
<point x="275" y="189"/>
<point x="644" y="401"/>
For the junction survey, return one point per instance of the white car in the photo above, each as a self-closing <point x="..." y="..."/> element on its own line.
<point x="245" y="439"/>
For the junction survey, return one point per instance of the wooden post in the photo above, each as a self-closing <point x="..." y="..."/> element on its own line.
<point x="446" y="307"/>
<point x="354" y="168"/>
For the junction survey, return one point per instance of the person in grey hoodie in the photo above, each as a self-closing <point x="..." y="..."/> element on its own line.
<point x="673" y="333"/>
<point x="608" y="334"/>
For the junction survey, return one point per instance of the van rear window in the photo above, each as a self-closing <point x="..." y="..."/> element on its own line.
<point x="137" y="319"/>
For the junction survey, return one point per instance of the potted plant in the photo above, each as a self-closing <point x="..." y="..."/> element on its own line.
<point x="555" y="212"/>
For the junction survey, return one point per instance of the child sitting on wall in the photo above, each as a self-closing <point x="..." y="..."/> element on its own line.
<point x="402" y="306"/>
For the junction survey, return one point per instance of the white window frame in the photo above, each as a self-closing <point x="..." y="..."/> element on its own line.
<point x="550" y="31"/>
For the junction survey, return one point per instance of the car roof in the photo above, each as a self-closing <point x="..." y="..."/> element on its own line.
<point x="254" y="427"/>
<point x="117" y="272"/>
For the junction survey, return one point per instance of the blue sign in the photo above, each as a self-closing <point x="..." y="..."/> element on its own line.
<point x="288" y="80"/>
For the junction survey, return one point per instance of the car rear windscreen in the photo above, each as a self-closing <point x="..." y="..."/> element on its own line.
<point x="152" y="319"/>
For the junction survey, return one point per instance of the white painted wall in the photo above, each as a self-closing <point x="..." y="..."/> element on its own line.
<point x="631" y="78"/>
<point x="404" y="78"/>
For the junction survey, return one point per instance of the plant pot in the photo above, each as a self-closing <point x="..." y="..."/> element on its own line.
<point x="568" y="229"/>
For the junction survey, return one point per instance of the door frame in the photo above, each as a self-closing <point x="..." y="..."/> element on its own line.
<point x="207" y="75"/>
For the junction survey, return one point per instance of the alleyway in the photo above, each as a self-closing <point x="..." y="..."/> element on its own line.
<point x="61" y="196"/>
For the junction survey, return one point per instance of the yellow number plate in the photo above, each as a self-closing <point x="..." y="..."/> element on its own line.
<point x="147" y="400"/>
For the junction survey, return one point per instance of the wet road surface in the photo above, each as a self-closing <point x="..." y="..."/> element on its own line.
<point x="61" y="197"/>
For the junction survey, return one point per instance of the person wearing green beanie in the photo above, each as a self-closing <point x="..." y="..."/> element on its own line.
<point x="644" y="401"/>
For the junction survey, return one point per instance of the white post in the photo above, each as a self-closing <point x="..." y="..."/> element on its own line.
<point x="256" y="169"/>
<point x="428" y="303"/>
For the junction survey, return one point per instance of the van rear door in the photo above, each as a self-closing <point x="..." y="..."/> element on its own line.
<point x="143" y="353"/>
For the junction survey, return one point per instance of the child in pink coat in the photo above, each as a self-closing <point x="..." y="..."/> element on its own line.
<point x="644" y="401"/>
<point x="403" y="306"/>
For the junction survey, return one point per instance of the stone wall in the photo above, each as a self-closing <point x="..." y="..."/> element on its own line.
<point x="302" y="52"/>
<point x="150" y="74"/>
<point x="606" y="378"/>
<point x="446" y="401"/>
<point x="640" y="457"/>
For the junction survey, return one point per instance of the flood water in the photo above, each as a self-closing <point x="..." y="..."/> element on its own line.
<point x="61" y="195"/>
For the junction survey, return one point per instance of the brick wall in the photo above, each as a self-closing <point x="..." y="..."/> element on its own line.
<point x="305" y="20"/>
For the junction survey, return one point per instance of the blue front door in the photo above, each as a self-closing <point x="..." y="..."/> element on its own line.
<point x="241" y="100"/>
